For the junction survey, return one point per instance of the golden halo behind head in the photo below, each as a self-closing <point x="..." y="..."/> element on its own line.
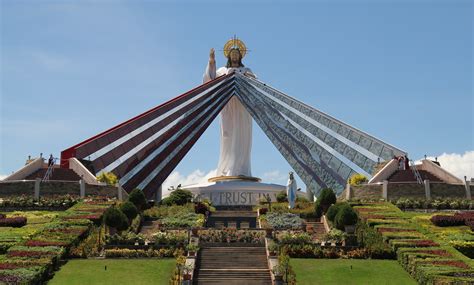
<point x="235" y="43"/>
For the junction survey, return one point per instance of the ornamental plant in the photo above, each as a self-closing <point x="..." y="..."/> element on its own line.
<point x="115" y="218"/>
<point x="335" y="235"/>
<point x="346" y="216"/>
<point x="333" y="210"/>
<point x="357" y="179"/>
<point x="129" y="209"/>
<point x="284" y="220"/>
<point x="138" y="199"/>
<point x="459" y="219"/>
<point x="294" y="238"/>
<point x="201" y="208"/>
<point x="108" y="177"/>
<point x="178" y="197"/>
<point x="326" y="198"/>
<point x="15" y="222"/>
<point x="282" y="197"/>
<point x="183" y="220"/>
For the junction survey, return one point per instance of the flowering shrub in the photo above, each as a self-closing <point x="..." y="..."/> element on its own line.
<point x="231" y="235"/>
<point x="293" y="238"/>
<point x="335" y="235"/>
<point x="407" y="203"/>
<point x="284" y="221"/>
<point x="183" y="220"/>
<point x="15" y="222"/>
<point x="165" y="211"/>
<point x="63" y="202"/>
<point x="171" y="238"/>
<point x="141" y="253"/>
<point x="357" y="179"/>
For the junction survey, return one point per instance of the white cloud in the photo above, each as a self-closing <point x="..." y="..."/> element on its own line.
<point x="275" y="176"/>
<point x="458" y="164"/>
<point x="2" y="176"/>
<point x="197" y="176"/>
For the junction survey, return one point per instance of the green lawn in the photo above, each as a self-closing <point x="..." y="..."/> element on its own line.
<point x="119" y="271"/>
<point x="338" y="271"/>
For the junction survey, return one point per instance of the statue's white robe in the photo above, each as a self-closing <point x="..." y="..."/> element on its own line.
<point x="291" y="192"/>
<point x="236" y="130"/>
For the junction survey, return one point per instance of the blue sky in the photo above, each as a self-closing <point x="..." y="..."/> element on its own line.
<point x="399" y="70"/>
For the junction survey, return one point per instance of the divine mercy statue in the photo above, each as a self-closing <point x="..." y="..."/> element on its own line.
<point x="236" y="122"/>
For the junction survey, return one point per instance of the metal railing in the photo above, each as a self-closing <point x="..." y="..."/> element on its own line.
<point x="50" y="170"/>
<point x="416" y="172"/>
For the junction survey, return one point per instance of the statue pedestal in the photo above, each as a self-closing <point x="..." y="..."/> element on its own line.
<point x="235" y="190"/>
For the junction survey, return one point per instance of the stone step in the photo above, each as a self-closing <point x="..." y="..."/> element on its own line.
<point x="246" y="276"/>
<point x="232" y="265"/>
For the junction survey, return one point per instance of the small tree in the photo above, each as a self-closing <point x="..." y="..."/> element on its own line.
<point x="318" y="210"/>
<point x="326" y="198"/>
<point x="332" y="211"/>
<point x="178" y="197"/>
<point x="129" y="209"/>
<point x="357" y="179"/>
<point x="115" y="218"/>
<point x="137" y="198"/>
<point x="346" y="216"/>
<point x="282" y="197"/>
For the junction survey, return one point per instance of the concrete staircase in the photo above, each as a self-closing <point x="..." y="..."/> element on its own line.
<point x="407" y="176"/>
<point x="316" y="229"/>
<point x="61" y="174"/>
<point x="232" y="265"/>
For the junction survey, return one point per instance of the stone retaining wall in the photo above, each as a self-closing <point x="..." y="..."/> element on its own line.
<point x="368" y="191"/>
<point x="407" y="190"/>
<point x="54" y="188"/>
<point x="412" y="190"/>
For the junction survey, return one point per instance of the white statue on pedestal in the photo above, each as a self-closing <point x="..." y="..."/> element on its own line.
<point x="236" y="122"/>
<point x="291" y="191"/>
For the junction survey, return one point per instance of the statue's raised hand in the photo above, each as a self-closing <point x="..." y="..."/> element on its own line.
<point x="212" y="56"/>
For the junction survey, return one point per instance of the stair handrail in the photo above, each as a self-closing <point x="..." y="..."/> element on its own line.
<point x="49" y="171"/>
<point x="415" y="171"/>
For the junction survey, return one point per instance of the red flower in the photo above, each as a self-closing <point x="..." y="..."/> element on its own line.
<point x="454" y="263"/>
<point x="45" y="243"/>
<point x="383" y="230"/>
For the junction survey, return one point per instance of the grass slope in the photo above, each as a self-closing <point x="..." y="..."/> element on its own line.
<point x="338" y="271"/>
<point x="119" y="271"/>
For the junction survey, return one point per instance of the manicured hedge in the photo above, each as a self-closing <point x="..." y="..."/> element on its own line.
<point x="60" y="202"/>
<point x="459" y="219"/>
<point x="15" y="222"/>
<point x="32" y="261"/>
<point x="423" y="258"/>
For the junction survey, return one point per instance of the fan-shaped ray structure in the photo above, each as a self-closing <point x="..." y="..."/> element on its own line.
<point x="144" y="150"/>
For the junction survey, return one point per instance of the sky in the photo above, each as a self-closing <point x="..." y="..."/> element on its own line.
<point x="399" y="70"/>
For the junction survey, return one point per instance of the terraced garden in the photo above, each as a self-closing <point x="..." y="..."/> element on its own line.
<point x="423" y="249"/>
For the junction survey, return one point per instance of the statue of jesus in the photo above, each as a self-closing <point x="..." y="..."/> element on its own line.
<point x="236" y="122"/>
